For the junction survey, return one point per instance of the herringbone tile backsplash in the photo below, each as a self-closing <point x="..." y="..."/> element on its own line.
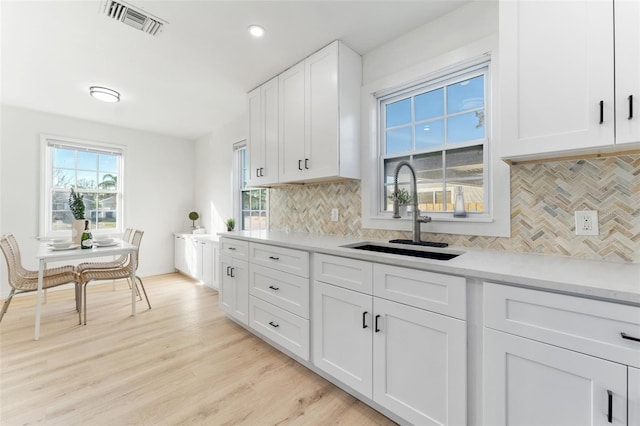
<point x="543" y="199"/>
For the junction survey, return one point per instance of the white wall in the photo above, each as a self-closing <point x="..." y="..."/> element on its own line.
<point x="158" y="182"/>
<point x="214" y="174"/>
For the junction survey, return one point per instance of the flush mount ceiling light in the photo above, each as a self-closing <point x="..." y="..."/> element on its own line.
<point x="104" y="94"/>
<point x="256" y="30"/>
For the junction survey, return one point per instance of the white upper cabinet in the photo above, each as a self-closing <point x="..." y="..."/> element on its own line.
<point x="557" y="76"/>
<point x="262" y="108"/>
<point x="627" y="16"/>
<point x="320" y="116"/>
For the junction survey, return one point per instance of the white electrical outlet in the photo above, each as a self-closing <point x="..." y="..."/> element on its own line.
<point x="334" y="215"/>
<point x="586" y="222"/>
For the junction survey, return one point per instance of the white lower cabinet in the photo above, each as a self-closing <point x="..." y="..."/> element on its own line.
<point x="533" y="383"/>
<point x="234" y="288"/>
<point x="196" y="257"/>
<point x="555" y="359"/>
<point x="409" y="360"/>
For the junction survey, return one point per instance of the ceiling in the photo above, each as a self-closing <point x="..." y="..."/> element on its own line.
<point x="193" y="77"/>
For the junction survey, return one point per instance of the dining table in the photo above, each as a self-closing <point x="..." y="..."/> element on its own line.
<point x="47" y="253"/>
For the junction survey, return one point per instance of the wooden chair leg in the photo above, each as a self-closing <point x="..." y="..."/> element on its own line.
<point x="5" y="305"/>
<point x="143" y="290"/>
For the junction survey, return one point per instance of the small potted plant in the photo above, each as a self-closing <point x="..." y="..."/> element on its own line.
<point x="76" y="205"/>
<point x="193" y="216"/>
<point x="404" y="199"/>
<point x="231" y="223"/>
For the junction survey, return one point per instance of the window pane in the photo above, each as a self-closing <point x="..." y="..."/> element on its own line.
<point x="466" y="127"/>
<point x="398" y="140"/>
<point x="64" y="158"/>
<point x="429" y="105"/>
<point x="107" y="163"/>
<point x="108" y="181"/>
<point x="246" y="220"/>
<point x="105" y="214"/>
<point x="63" y="178"/>
<point x="245" y="200"/>
<point x="429" y="134"/>
<point x="428" y="167"/>
<point x="465" y="163"/>
<point x="86" y="180"/>
<point x="466" y="95"/>
<point x="398" y="113"/>
<point x="87" y="160"/>
<point x="390" y="165"/>
<point x="473" y="193"/>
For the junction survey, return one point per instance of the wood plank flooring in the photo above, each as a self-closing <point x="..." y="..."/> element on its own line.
<point x="181" y="363"/>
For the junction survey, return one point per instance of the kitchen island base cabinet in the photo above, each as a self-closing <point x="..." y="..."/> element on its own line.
<point x="528" y="382"/>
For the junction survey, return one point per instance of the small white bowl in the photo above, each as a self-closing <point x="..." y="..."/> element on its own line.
<point x="61" y="245"/>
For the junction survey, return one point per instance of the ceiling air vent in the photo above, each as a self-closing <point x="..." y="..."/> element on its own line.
<point x="133" y="16"/>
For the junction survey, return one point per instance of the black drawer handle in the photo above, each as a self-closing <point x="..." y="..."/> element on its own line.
<point x="231" y="248"/>
<point x="228" y="273"/>
<point x="364" y="319"/>
<point x="274" y="288"/>
<point x="610" y="411"/>
<point x="257" y="172"/>
<point x="306" y="163"/>
<point x="299" y="164"/>
<point x="274" y="324"/>
<point x="626" y="336"/>
<point x="231" y="275"/>
<point x="630" y="98"/>
<point x="377" y="328"/>
<point x="601" y="112"/>
<point x="274" y="258"/>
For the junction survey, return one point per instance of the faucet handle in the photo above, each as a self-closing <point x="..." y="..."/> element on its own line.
<point x="424" y="219"/>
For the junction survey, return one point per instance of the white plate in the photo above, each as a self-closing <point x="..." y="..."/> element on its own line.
<point x="111" y="244"/>
<point x="71" y="247"/>
<point x="105" y="241"/>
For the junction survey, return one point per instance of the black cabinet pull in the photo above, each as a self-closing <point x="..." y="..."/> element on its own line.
<point x="274" y="258"/>
<point x="601" y="112"/>
<point x="299" y="164"/>
<point x="306" y="163"/>
<point x="274" y="288"/>
<point x="626" y="336"/>
<point x="610" y="411"/>
<point x="228" y="273"/>
<point x="231" y="248"/>
<point x="364" y="319"/>
<point x="257" y="172"/>
<point x="261" y="171"/>
<point x="232" y="276"/>
<point x="630" y="98"/>
<point x="377" y="329"/>
<point x="274" y="324"/>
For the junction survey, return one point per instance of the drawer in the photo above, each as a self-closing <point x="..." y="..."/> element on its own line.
<point x="235" y="248"/>
<point x="441" y="293"/>
<point x="589" y="326"/>
<point x="282" y="327"/>
<point x="287" y="291"/>
<point x="344" y="272"/>
<point x="280" y="258"/>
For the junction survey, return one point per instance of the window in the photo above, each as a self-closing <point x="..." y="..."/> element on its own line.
<point x="252" y="202"/>
<point x="94" y="171"/>
<point x="441" y="127"/>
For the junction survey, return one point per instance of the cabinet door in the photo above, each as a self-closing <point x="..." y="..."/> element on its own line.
<point x="419" y="364"/>
<point x="207" y="263"/>
<point x="292" y="125"/>
<point x="342" y="324"/>
<point x="321" y="115"/>
<point x="627" y="71"/>
<point x="255" y="139"/>
<point x="180" y="259"/>
<point x="234" y="288"/>
<point x="556" y="67"/>
<point x="531" y="383"/>
<point x="269" y="171"/>
<point x="634" y="396"/>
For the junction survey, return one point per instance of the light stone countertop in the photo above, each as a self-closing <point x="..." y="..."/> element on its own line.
<point x="202" y="237"/>
<point x="618" y="282"/>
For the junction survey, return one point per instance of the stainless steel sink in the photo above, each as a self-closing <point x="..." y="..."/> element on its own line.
<point x="437" y="254"/>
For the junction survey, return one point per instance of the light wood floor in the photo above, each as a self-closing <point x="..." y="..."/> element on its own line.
<point x="181" y="363"/>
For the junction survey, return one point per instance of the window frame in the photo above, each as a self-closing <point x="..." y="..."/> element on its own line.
<point x="46" y="184"/>
<point x="498" y="223"/>
<point x="447" y="79"/>
<point x="240" y="172"/>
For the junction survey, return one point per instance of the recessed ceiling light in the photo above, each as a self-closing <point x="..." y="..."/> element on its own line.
<point x="256" y="30"/>
<point x="104" y="94"/>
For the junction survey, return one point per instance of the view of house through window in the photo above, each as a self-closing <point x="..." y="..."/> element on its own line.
<point x="92" y="172"/>
<point x="253" y="201"/>
<point x="441" y="128"/>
